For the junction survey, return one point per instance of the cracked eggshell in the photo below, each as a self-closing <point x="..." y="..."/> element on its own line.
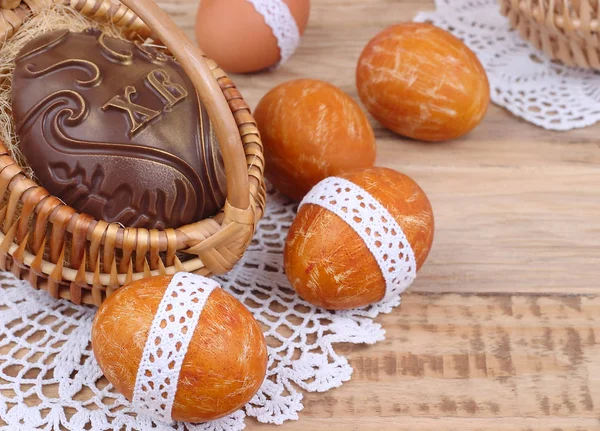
<point x="422" y="82"/>
<point x="225" y="364"/>
<point x="326" y="261"/>
<point x="312" y="130"/>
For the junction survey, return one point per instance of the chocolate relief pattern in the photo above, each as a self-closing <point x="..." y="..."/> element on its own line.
<point x="115" y="130"/>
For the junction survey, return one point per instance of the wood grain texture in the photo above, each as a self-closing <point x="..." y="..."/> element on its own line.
<point x="516" y="218"/>
<point x="502" y="330"/>
<point x="471" y="362"/>
<point x="516" y="206"/>
<point x="517" y="215"/>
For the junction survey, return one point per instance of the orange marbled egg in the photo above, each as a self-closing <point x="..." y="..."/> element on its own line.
<point x="225" y="363"/>
<point x="328" y="263"/>
<point x="312" y="130"/>
<point x="422" y="82"/>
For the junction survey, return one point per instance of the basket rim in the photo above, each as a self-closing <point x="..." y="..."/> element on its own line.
<point x="575" y="41"/>
<point x="534" y="11"/>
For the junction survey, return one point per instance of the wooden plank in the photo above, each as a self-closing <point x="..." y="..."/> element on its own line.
<point x="440" y="424"/>
<point x="471" y="362"/>
<point x="517" y="212"/>
<point x="516" y="206"/>
<point x="464" y="362"/>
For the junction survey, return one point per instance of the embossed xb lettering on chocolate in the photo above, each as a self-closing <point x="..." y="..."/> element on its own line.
<point x="115" y="129"/>
<point x="161" y="81"/>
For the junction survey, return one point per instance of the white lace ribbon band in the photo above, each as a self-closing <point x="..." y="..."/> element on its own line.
<point x="374" y="224"/>
<point x="278" y="17"/>
<point x="168" y="340"/>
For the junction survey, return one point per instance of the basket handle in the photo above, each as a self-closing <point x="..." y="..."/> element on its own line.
<point x="191" y="59"/>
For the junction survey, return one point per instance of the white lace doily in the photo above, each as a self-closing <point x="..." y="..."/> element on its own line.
<point x="522" y="79"/>
<point x="49" y="377"/>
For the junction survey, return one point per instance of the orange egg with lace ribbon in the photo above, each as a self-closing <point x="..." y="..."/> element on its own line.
<point x="330" y="265"/>
<point x="226" y="358"/>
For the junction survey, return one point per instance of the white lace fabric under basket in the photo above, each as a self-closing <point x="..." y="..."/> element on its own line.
<point x="524" y="81"/>
<point x="49" y="377"/>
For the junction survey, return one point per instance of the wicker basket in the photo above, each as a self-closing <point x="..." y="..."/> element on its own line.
<point x="565" y="30"/>
<point x="73" y="256"/>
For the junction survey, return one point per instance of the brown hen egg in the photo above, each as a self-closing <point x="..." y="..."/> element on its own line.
<point x="235" y="35"/>
<point x="329" y="264"/>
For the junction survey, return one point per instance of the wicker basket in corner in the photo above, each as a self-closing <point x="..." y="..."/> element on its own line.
<point x="73" y="256"/>
<point x="565" y="30"/>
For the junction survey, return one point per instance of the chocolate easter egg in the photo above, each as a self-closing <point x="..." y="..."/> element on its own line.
<point x="116" y="130"/>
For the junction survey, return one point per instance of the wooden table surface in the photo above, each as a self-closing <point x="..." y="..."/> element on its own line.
<point x="501" y="331"/>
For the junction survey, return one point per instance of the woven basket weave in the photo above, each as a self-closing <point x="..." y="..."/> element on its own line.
<point x="73" y="256"/>
<point x="565" y="30"/>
